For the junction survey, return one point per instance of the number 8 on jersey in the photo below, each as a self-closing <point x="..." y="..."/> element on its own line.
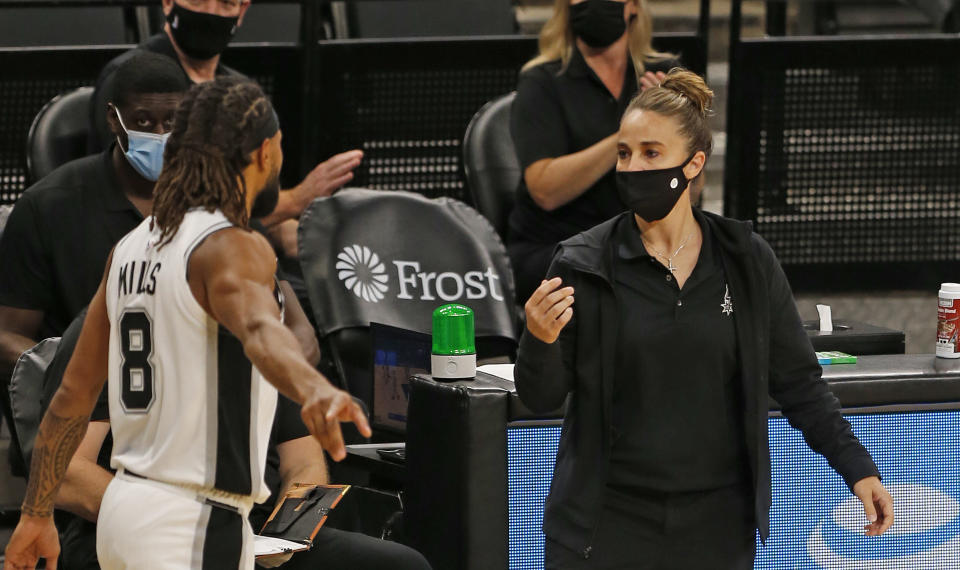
<point x="136" y="372"/>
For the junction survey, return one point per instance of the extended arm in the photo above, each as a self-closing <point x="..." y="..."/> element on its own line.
<point x="796" y="383"/>
<point x="237" y="291"/>
<point x="809" y="405"/>
<point x="325" y="179"/>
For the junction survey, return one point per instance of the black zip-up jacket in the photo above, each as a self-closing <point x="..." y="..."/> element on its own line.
<point x="776" y="359"/>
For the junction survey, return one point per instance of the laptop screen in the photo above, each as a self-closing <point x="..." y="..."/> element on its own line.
<point x="398" y="354"/>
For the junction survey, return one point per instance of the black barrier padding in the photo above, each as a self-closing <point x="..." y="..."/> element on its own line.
<point x="456" y="488"/>
<point x="407" y="103"/>
<point x="33" y="76"/>
<point x="845" y="153"/>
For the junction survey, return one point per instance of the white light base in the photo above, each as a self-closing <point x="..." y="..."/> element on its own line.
<point x="446" y="367"/>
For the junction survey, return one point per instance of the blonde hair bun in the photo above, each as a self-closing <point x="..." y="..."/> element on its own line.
<point x="691" y="86"/>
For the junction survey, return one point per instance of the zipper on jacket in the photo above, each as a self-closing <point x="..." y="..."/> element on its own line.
<point x="593" y="537"/>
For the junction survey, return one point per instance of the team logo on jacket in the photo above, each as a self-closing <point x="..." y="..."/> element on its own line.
<point x="362" y="272"/>
<point x="727" y="307"/>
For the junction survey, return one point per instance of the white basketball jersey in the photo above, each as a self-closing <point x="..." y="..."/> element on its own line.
<point x="186" y="405"/>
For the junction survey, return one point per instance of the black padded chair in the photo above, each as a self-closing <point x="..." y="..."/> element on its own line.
<point x="26" y="394"/>
<point x="490" y="162"/>
<point x="58" y="133"/>
<point x="5" y="211"/>
<point x="392" y="258"/>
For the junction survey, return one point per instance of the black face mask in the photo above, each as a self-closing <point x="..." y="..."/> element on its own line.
<point x="598" y="23"/>
<point x="652" y="194"/>
<point x="266" y="201"/>
<point x="200" y="35"/>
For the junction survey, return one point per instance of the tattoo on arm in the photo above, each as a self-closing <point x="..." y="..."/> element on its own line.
<point x="58" y="439"/>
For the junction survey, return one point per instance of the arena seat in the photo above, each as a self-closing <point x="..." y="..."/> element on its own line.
<point x="392" y="258"/>
<point x="490" y="162"/>
<point x="26" y="394"/>
<point x="5" y="210"/>
<point x="58" y="133"/>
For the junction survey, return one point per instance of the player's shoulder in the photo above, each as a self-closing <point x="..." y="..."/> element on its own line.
<point x="237" y="246"/>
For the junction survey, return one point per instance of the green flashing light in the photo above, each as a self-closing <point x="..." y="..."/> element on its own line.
<point x="453" y="330"/>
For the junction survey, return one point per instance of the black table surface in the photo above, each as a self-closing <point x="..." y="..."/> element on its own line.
<point x="854" y="337"/>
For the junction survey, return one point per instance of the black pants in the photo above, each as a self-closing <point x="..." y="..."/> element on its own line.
<point x="708" y="530"/>
<point x="341" y="550"/>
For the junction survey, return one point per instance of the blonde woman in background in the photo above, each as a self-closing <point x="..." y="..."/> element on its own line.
<point x="594" y="57"/>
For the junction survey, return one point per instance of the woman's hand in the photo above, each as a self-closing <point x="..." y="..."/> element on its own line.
<point x="877" y="505"/>
<point x="651" y="79"/>
<point x="549" y="309"/>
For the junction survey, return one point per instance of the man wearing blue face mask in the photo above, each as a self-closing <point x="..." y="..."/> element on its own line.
<point x="144" y="150"/>
<point x="61" y="230"/>
<point x="195" y="34"/>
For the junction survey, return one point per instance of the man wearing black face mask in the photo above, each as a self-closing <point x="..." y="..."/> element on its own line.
<point x="195" y="34"/>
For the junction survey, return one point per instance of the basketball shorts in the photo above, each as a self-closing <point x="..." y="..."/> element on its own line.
<point x="148" y="524"/>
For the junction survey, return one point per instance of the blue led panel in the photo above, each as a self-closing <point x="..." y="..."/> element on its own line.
<point x="531" y="452"/>
<point x="815" y="522"/>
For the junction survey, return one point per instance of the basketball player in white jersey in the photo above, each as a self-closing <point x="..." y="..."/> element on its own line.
<point x="183" y="325"/>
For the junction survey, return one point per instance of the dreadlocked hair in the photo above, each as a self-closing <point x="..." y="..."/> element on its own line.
<point x="208" y="149"/>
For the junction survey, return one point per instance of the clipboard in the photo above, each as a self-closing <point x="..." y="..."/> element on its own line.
<point x="299" y="515"/>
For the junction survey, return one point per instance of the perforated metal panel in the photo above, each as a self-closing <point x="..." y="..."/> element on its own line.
<point x="408" y="103"/>
<point x="30" y="78"/>
<point x="410" y="127"/>
<point x="849" y="168"/>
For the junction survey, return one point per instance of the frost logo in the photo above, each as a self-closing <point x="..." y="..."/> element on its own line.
<point x="362" y="272"/>
<point x="925" y="535"/>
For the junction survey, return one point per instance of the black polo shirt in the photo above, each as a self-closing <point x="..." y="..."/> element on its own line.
<point x="54" y="249"/>
<point x="100" y="135"/>
<point x="677" y="413"/>
<point x="558" y="112"/>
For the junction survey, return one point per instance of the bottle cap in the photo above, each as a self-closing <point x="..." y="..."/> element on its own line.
<point x="453" y="330"/>
<point x="950" y="287"/>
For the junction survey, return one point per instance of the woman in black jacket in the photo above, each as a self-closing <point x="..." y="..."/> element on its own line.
<point x="684" y="325"/>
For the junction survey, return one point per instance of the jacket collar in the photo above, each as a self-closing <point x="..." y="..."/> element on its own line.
<point x="591" y="253"/>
